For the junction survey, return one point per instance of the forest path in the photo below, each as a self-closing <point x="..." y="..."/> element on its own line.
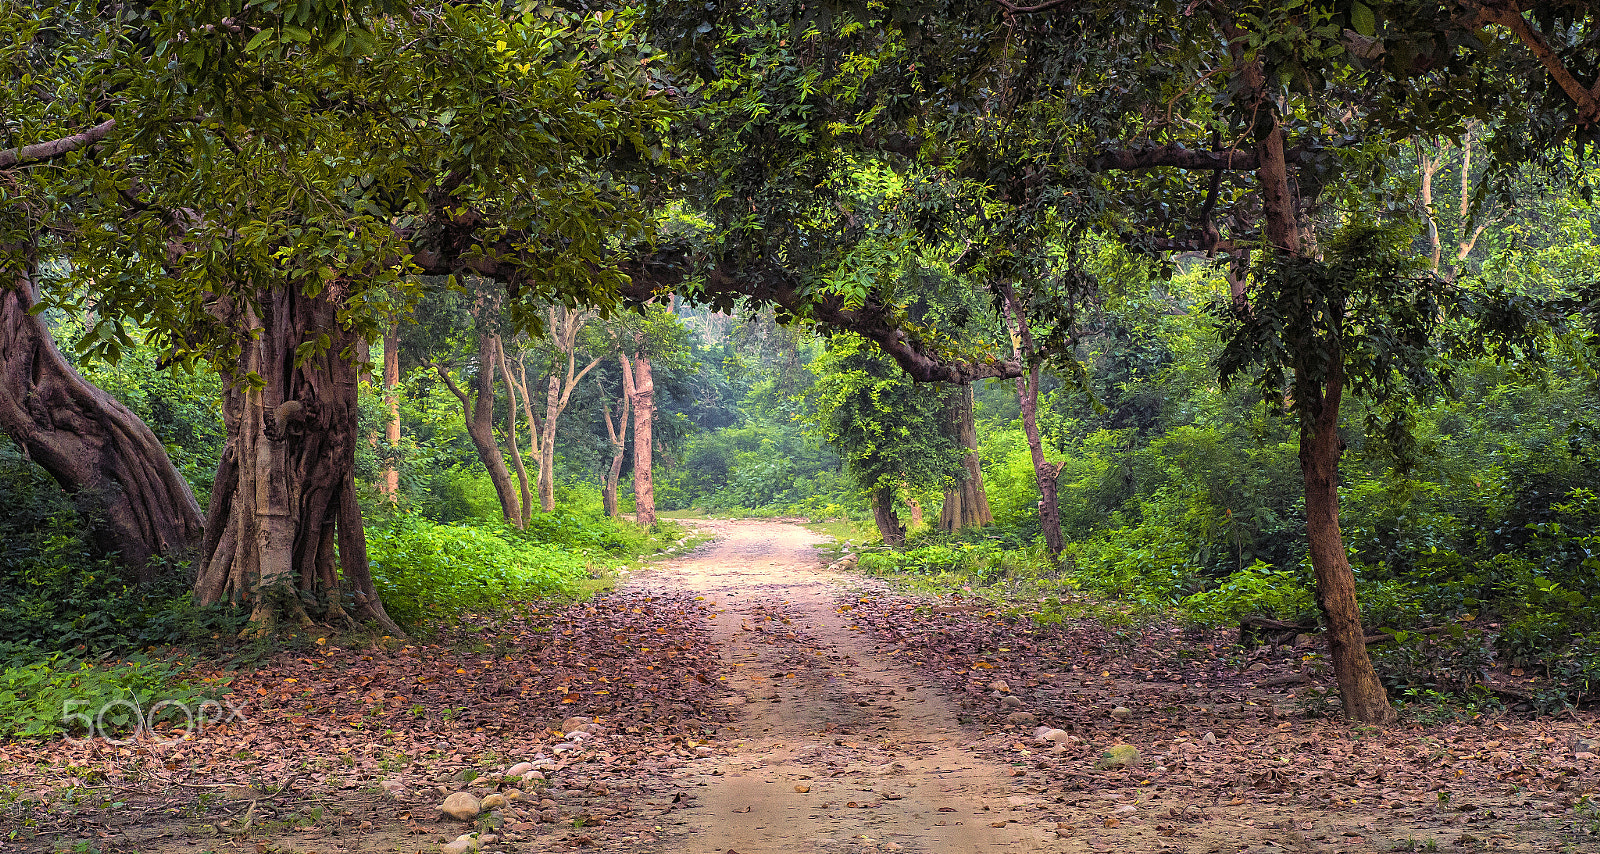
<point x="835" y="747"/>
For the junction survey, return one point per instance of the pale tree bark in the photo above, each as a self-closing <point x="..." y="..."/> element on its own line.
<point x="1045" y="474"/>
<point x="617" y="433"/>
<point x="966" y="505"/>
<point x="525" y="508"/>
<point x="478" y="410"/>
<point x="564" y="326"/>
<point x="640" y="387"/>
<point x="284" y="520"/>
<point x="1428" y="167"/>
<point x="914" y="507"/>
<point x="391" y="403"/>
<point x="94" y="447"/>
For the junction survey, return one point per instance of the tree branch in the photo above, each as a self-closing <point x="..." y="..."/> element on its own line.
<point x="43" y="151"/>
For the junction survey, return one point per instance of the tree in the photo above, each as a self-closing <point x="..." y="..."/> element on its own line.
<point x="562" y="329"/>
<point x="292" y="176"/>
<point x="886" y="426"/>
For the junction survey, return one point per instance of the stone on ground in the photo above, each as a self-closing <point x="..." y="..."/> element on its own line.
<point x="461" y="806"/>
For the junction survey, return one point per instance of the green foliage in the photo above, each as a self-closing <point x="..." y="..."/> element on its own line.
<point x="886" y="427"/>
<point x="57" y="593"/>
<point x="431" y="573"/>
<point x="1259" y="590"/>
<point x="34" y="697"/>
<point x="1450" y="662"/>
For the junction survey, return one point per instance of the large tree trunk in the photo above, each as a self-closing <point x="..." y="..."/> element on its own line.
<point x="283" y="508"/>
<point x="1320" y="447"/>
<point x="883" y="515"/>
<point x="618" y="434"/>
<point x="391" y="402"/>
<point x="478" y="410"/>
<point x="96" y="448"/>
<point x="966" y="505"/>
<point x="641" y="390"/>
<point x="1045" y="474"/>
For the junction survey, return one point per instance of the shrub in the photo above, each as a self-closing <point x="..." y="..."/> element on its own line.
<point x="37" y="699"/>
<point x="1257" y="591"/>
<point x="429" y="572"/>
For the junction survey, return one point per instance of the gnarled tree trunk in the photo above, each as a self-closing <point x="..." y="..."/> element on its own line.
<point x="95" y="447"/>
<point x="478" y="410"/>
<point x="966" y="505"/>
<point x="883" y="515"/>
<point x="283" y="511"/>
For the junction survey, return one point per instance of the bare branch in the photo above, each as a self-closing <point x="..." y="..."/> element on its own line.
<point x="40" y="152"/>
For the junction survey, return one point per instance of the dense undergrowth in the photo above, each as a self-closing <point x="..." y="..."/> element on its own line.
<point x="77" y="637"/>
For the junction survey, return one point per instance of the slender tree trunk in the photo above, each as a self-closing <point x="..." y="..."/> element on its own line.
<point x="1363" y="695"/>
<point x="391" y="402"/>
<point x="641" y="389"/>
<point x="478" y="409"/>
<point x="547" y="455"/>
<point x="525" y="509"/>
<point x="618" y="434"/>
<point x="966" y="505"/>
<point x="883" y="515"/>
<point x="1320" y="447"/>
<point x="96" y="448"/>
<point x="284" y="493"/>
<point x="915" y="508"/>
<point x="1045" y="474"/>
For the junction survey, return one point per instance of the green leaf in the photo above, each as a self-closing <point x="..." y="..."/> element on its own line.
<point x="261" y="38"/>
<point x="1363" y="19"/>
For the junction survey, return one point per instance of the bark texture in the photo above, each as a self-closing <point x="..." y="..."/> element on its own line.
<point x="391" y="403"/>
<point x="477" y="408"/>
<point x="883" y="515"/>
<point x="641" y="390"/>
<point x="283" y="520"/>
<point x="1320" y="447"/>
<point x="1045" y="474"/>
<point x="564" y="326"/>
<point x="966" y="505"/>
<point x="617" y="433"/>
<point x="96" y="448"/>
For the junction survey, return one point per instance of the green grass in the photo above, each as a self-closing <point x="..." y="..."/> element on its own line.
<point x="844" y="530"/>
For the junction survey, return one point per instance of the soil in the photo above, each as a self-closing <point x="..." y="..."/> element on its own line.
<point x="745" y="699"/>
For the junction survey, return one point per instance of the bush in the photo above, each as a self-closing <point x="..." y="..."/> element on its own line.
<point x="37" y="699"/>
<point x="1257" y="591"/>
<point x="426" y="572"/>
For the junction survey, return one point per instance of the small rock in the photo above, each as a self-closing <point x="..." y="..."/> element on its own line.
<point x="702" y="751"/>
<point x="1011" y="701"/>
<point x="1209" y="738"/>
<point x="512" y="794"/>
<point x="461" y="806"/>
<point x="1049" y="735"/>
<point x="1586" y="745"/>
<point x="575" y="722"/>
<point x="394" y="790"/>
<point x="1000" y="685"/>
<point x="493" y="802"/>
<point x="1041" y="732"/>
<point x="1022" y="719"/>
<point x="1118" y="756"/>
<point x="1305" y="640"/>
<point x="802" y="788"/>
<point x="520" y="769"/>
<point x="549" y="816"/>
<point x="564" y="747"/>
<point x="1121" y="713"/>
<point x="464" y="843"/>
<point x="1255" y="668"/>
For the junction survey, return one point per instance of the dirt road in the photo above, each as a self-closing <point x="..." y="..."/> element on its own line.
<point x="835" y="747"/>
